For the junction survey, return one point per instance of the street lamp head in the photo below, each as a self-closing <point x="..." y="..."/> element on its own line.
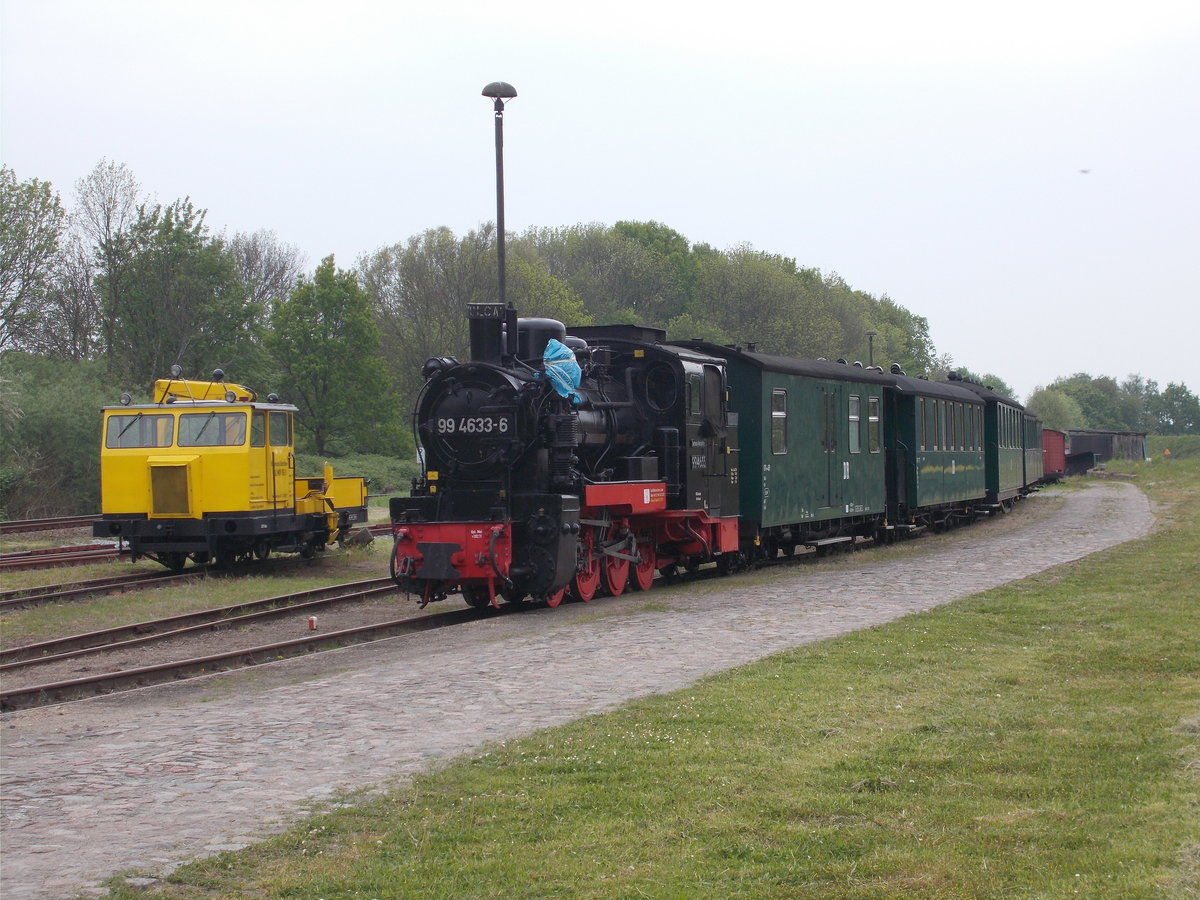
<point x="500" y="90"/>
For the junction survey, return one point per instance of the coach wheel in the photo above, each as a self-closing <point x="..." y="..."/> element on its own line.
<point x="643" y="572"/>
<point x="475" y="596"/>
<point x="616" y="574"/>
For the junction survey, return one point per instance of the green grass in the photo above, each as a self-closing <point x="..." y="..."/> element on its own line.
<point x="1039" y="740"/>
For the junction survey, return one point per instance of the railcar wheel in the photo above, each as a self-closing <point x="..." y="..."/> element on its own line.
<point x="476" y="597"/>
<point x="174" y="560"/>
<point x="587" y="579"/>
<point x="643" y="572"/>
<point x="555" y="598"/>
<point x="587" y="582"/>
<point x="616" y="574"/>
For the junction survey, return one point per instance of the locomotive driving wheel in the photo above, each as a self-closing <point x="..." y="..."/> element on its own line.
<point x="587" y="579"/>
<point x="616" y="574"/>
<point x="643" y="572"/>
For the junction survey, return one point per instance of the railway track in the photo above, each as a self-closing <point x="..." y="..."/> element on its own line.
<point x="23" y="526"/>
<point x="48" y="557"/>
<point x="105" y="656"/>
<point x="26" y="598"/>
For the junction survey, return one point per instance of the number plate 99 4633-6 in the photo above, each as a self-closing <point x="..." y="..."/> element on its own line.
<point x="485" y="425"/>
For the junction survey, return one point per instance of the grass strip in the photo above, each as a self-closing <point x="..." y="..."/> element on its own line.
<point x="1038" y="740"/>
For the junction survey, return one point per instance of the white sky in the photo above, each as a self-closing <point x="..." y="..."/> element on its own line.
<point x="928" y="150"/>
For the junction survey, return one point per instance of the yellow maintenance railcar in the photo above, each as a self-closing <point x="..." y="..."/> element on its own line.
<point x="208" y="472"/>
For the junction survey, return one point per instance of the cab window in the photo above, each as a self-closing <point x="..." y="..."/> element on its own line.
<point x="212" y="429"/>
<point x="139" y="430"/>
<point x="280" y="431"/>
<point x="258" y="429"/>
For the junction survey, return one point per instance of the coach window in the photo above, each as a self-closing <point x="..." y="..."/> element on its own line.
<point x="778" y="422"/>
<point x="855" y="425"/>
<point x="873" y="424"/>
<point x="923" y="427"/>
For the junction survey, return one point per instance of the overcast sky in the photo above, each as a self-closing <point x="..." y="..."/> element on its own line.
<point x="1025" y="175"/>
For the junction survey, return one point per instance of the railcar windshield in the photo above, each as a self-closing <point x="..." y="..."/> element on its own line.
<point x="139" y="430"/>
<point x="212" y="429"/>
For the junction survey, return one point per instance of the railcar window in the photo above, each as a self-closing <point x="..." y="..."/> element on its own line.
<point x="924" y="426"/>
<point x="778" y="422"/>
<point x="694" y="395"/>
<point x="661" y="387"/>
<point x="873" y="424"/>
<point x="855" y="425"/>
<point x="280" y="432"/>
<point x="212" y="429"/>
<point x="258" y="429"/>
<point x="139" y="430"/>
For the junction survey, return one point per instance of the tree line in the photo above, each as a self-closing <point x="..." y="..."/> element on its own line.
<point x="104" y="296"/>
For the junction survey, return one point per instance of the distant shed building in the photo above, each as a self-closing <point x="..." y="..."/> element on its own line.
<point x="1087" y="447"/>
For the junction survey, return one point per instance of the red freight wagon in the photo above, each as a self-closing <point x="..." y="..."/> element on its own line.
<point x="1054" y="448"/>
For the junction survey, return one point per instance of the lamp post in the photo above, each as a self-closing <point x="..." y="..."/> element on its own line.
<point x="499" y="91"/>
<point x="871" y="346"/>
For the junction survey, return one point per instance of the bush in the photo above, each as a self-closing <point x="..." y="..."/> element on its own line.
<point x="389" y="476"/>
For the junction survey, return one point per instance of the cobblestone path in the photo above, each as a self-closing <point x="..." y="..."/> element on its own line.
<point x="155" y="777"/>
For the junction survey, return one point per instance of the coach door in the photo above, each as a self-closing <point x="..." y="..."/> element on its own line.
<point x="830" y="431"/>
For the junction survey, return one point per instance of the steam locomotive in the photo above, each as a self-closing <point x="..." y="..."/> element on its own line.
<point x="593" y="461"/>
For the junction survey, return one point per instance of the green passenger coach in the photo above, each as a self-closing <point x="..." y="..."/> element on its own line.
<point x="812" y="449"/>
<point x="1005" y="435"/>
<point x="935" y="449"/>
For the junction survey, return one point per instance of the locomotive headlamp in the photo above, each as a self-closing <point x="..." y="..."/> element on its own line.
<point x="230" y="396"/>
<point x="125" y="399"/>
<point x="176" y="371"/>
<point x="218" y="375"/>
<point x="272" y="398"/>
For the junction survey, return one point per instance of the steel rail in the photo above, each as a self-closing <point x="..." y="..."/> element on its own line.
<point x="155" y="630"/>
<point x="82" y="688"/>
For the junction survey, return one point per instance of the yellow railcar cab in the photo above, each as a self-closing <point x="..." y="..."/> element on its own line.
<point x="206" y="471"/>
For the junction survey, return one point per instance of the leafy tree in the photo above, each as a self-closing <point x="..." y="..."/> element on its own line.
<point x="171" y="295"/>
<point x="325" y="341"/>
<point x="1098" y="398"/>
<point x="419" y="290"/>
<point x="107" y="203"/>
<point x="1176" y="411"/>
<point x="267" y="269"/>
<point x="50" y="435"/>
<point x="1056" y="409"/>
<point x="32" y="221"/>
